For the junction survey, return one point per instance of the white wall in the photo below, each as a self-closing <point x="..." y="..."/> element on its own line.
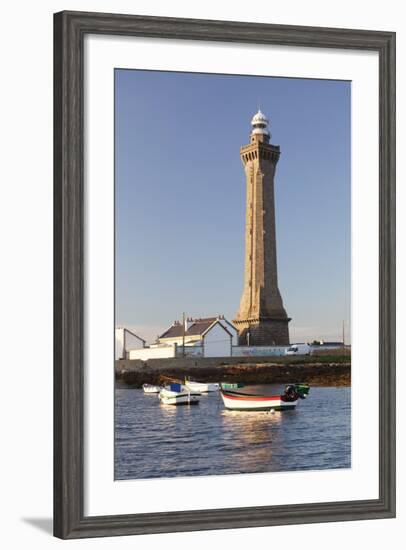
<point x="119" y="346"/>
<point x="190" y="351"/>
<point x="152" y="353"/>
<point x="179" y="341"/>
<point x="26" y="231"/>
<point x="217" y="342"/>
<point x="232" y="329"/>
<point x="325" y="346"/>
<point x="252" y="351"/>
<point x="132" y="341"/>
<point x="127" y="339"/>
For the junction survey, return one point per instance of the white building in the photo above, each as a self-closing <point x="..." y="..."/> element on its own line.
<point x="204" y="337"/>
<point x="215" y="336"/>
<point x="126" y="340"/>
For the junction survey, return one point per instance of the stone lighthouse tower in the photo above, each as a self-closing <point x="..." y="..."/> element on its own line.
<point x="261" y="319"/>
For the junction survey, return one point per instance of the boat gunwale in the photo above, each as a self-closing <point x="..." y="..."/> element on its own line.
<point x="180" y="394"/>
<point x="249" y="396"/>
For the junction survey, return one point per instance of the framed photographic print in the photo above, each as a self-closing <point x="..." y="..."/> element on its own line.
<point x="224" y="275"/>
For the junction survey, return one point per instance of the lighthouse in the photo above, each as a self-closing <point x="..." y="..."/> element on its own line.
<point x="261" y="319"/>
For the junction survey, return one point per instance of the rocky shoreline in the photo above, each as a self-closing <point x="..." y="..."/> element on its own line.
<point x="316" y="372"/>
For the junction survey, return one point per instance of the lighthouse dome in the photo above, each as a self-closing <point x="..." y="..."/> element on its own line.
<point x="259" y="118"/>
<point x="259" y="124"/>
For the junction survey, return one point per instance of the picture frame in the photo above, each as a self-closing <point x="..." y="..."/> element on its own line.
<point x="70" y="28"/>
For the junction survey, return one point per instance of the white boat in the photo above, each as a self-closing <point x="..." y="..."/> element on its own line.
<point x="177" y="394"/>
<point x="149" y="388"/>
<point x="201" y="387"/>
<point x="240" y="401"/>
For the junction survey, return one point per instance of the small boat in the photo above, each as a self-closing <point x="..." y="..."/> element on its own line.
<point x="177" y="394"/>
<point x="255" y="402"/>
<point x="201" y="387"/>
<point x="150" y="388"/>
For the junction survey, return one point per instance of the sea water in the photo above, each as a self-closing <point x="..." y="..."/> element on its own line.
<point x="153" y="440"/>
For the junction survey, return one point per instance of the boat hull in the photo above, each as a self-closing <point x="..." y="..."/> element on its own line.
<point x="201" y="387"/>
<point x="179" y="398"/>
<point x="148" y="388"/>
<point x="240" y="402"/>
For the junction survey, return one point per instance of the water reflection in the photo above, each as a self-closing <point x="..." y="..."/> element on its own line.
<point x="153" y="440"/>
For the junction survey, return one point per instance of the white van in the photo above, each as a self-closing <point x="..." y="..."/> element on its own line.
<point x="298" y="349"/>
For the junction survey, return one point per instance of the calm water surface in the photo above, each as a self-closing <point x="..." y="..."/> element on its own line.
<point x="154" y="440"/>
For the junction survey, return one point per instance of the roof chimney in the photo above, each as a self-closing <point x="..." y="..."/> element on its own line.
<point x="188" y="323"/>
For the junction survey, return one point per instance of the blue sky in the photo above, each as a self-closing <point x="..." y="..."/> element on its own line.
<point x="180" y="197"/>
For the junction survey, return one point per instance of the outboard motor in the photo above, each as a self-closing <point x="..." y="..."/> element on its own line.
<point x="291" y="393"/>
<point x="296" y="391"/>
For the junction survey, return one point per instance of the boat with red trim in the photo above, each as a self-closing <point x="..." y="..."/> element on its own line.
<point x="242" y="401"/>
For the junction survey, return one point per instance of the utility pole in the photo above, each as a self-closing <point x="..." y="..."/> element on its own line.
<point x="183" y="334"/>
<point x="343" y="334"/>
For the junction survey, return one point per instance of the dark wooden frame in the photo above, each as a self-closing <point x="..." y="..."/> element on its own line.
<point x="69" y="31"/>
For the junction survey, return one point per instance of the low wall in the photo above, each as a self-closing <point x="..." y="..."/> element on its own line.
<point x="185" y="362"/>
<point x="258" y="351"/>
<point x="332" y="351"/>
<point x="144" y="354"/>
<point x="190" y="351"/>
